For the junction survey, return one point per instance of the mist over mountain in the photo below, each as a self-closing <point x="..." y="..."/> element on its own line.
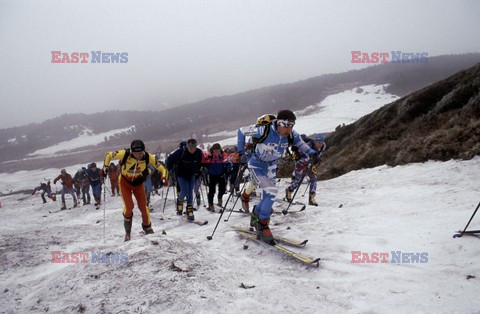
<point x="211" y="115"/>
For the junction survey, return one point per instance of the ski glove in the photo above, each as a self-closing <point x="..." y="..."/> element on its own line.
<point x="313" y="157"/>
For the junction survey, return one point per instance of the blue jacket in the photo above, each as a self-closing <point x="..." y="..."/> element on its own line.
<point x="273" y="147"/>
<point x="187" y="165"/>
<point x="217" y="165"/>
<point x="95" y="177"/>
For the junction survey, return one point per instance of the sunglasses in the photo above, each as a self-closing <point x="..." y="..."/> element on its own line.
<point x="192" y="145"/>
<point x="285" y="123"/>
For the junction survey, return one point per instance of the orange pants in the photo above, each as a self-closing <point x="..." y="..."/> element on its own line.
<point x="126" y="190"/>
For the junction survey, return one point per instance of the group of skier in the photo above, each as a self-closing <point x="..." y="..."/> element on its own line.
<point x="79" y="185"/>
<point x="269" y="140"/>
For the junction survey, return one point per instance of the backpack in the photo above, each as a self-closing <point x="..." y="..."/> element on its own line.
<point x="145" y="157"/>
<point x="266" y="120"/>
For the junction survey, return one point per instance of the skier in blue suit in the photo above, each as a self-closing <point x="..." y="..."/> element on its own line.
<point x="263" y="163"/>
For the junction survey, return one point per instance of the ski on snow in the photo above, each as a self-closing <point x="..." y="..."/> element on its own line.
<point x="277" y="238"/>
<point x="300" y="257"/>
<point x="197" y="222"/>
<point x="278" y="210"/>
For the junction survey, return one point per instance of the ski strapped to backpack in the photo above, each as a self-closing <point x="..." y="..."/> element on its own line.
<point x="145" y="157"/>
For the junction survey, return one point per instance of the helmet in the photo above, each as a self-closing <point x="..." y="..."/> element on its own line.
<point x="286" y="115"/>
<point x="319" y="138"/>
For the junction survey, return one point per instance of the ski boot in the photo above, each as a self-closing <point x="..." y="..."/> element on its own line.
<point x="245" y="198"/>
<point x="75" y="204"/>
<point x="311" y="200"/>
<point x="288" y="195"/>
<point x="197" y="196"/>
<point x="179" y="208"/>
<point x="220" y="200"/>
<point x="63" y="206"/>
<point x="147" y="229"/>
<point x="127" y="223"/>
<point x="190" y="215"/>
<point x="263" y="232"/>
<point x="211" y="208"/>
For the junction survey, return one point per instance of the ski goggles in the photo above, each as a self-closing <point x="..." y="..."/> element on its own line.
<point x="285" y="123"/>
<point x="192" y="143"/>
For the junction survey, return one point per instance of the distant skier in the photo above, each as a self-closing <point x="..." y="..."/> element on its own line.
<point x="81" y="178"/>
<point x="46" y="189"/>
<point x="67" y="183"/>
<point x="233" y="158"/>
<point x="134" y="162"/>
<point x="187" y="162"/>
<point x="301" y="165"/>
<point x="148" y="186"/>
<point x="218" y="169"/>
<point x="113" y="173"/>
<point x="95" y="177"/>
<point x="272" y="139"/>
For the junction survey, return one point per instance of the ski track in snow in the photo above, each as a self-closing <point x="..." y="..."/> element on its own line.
<point x="412" y="208"/>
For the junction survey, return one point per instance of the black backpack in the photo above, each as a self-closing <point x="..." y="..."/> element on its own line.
<point x="146" y="157"/>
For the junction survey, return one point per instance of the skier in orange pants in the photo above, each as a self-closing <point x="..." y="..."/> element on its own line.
<point x="134" y="170"/>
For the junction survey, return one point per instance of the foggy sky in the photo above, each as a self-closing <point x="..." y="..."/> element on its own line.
<point x="183" y="51"/>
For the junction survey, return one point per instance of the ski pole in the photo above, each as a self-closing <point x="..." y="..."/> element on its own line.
<point x="285" y="211"/>
<point x="221" y="214"/>
<point x="165" y="202"/>
<point x="460" y="235"/>
<point x="201" y="193"/>
<point x="304" y="192"/>
<point x="104" y="201"/>
<point x="234" y="204"/>
<point x="241" y="171"/>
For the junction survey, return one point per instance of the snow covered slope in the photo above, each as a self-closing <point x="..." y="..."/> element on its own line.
<point x="86" y="138"/>
<point x="342" y="108"/>
<point x="412" y="209"/>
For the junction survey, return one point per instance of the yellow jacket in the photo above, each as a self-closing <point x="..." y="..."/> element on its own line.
<point x="132" y="170"/>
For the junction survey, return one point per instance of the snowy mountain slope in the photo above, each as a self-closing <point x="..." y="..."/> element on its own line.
<point x="85" y="138"/>
<point x="413" y="208"/>
<point x="342" y="108"/>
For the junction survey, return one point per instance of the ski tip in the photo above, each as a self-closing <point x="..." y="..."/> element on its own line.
<point x="457" y="235"/>
<point x="304" y="243"/>
<point x="303" y="208"/>
<point x="316" y="262"/>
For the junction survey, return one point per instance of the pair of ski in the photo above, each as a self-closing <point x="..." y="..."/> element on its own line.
<point x="251" y="234"/>
<point x="184" y="218"/>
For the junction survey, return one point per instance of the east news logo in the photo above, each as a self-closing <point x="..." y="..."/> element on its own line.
<point x="84" y="57"/>
<point x="383" y="57"/>
<point x="84" y="257"/>
<point x="398" y="257"/>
